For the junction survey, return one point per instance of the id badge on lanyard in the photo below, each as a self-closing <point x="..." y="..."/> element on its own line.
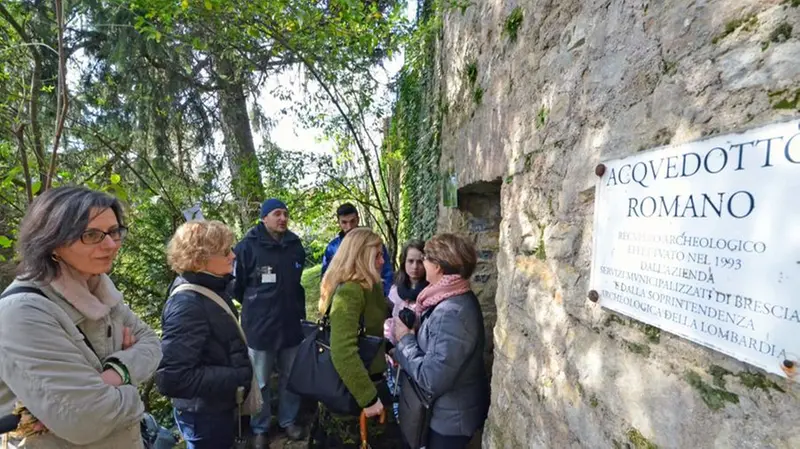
<point x="267" y="276"/>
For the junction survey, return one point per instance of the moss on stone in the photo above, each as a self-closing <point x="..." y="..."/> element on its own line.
<point x="593" y="402"/>
<point x="747" y="23"/>
<point x="718" y="373"/>
<point x="540" y="252"/>
<point x="714" y="398"/>
<point x="784" y="99"/>
<point x="477" y="95"/>
<point x="758" y="380"/>
<point x="781" y="33"/>
<point x="670" y="67"/>
<point x="541" y="117"/>
<point x="512" y="23"/>
<point x="638" y="440"/>
<point x="471" y="72"/>
<point x="653" y="333"/>
<point x="638" y="348"/>
<point x="612" y="318"/>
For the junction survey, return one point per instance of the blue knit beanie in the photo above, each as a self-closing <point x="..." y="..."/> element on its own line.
<point x="270" y="205"/>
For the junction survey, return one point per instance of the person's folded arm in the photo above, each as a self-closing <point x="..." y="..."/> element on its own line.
<point x="48" y="372"/>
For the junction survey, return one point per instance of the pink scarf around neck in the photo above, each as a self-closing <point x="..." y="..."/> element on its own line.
<point x="448" y="286"/>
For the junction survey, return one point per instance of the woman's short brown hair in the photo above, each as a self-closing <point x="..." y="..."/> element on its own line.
<point x="54" y="219"/>
<point x="454" y="254"/>
<point x="195" y="242"/>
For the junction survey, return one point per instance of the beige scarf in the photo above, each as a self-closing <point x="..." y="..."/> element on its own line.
<point x="93" y="298"/>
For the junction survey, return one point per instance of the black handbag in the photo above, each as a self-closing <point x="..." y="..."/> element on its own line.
<point x="415" y="405"/>
<point x="415" y="413"/>
<point x="313" y="374"/>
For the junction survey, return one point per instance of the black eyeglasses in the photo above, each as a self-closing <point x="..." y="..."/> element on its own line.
<point x="95" y="236"/>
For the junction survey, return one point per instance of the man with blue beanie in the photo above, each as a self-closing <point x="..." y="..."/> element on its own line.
<point x="269" y="264"/>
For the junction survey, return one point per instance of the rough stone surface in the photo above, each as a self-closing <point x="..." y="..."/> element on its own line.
<point x="590" y="80"/>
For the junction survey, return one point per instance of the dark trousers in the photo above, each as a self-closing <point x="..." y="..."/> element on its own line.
<point x="213" y="430"/>
<point x="439" y="441"/>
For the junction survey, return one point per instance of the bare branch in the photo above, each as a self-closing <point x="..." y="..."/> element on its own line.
<point x="63" y="96"/>
<point x="19" y="133"/>
<point x="102" y="168"/>
<point x="278" y="36"/>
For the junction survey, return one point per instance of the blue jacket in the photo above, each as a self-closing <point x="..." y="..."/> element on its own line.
<point x="268" y="285"/>
<point x="205" y="359"/>
<point x="387" y="273"/>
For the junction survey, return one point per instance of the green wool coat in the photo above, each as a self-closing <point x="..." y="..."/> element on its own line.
<point x="349" y="302"/>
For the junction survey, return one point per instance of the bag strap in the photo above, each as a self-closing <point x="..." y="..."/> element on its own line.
<point x="210" y="294"/>
<point x="326" y="318"/>
<point x="22" y="289"/>
<point x="37" y="291"/>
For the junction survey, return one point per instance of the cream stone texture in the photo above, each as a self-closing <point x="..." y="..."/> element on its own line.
<point x="586" y="81"/>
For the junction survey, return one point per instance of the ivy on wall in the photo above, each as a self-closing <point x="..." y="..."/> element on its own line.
<point x="415" y="127"/>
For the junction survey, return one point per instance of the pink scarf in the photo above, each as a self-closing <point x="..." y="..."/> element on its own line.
<point x="448" y="286"/>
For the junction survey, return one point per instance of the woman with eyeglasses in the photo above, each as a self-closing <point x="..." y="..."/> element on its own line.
<point x="72" y="354"/>
<point x="205" y="356"/>
<point x="443" y="353"/>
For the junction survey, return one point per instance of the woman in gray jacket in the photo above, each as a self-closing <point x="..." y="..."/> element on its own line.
<point x="71" y="352"/>
<point x="444" y="356"/>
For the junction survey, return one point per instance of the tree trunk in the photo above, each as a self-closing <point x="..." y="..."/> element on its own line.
<point x="239" y="147"/>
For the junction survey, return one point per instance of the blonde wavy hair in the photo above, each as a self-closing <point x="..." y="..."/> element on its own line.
<point x="354" y="262"/>
<point x="195" y="242"/>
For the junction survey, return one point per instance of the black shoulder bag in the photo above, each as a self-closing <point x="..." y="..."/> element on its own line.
<point x="415" y="407"/>
<point x="313" y="374"/>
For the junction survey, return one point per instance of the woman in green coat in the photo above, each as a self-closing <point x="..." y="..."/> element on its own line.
<point x="352" y="288"/>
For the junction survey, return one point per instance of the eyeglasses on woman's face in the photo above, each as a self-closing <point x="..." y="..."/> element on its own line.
<point x="95" y="236"/>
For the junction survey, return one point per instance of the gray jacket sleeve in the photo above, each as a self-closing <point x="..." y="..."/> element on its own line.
<point x="449" y="347"/>
<point x="41" y="363"/>
<point x="143" y="357"/>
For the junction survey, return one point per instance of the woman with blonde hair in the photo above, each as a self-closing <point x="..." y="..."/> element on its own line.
<point x="351" y="294"/>
<point x="205" y="354"/>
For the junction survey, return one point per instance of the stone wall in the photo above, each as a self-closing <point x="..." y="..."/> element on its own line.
<point x="535" y="94"/>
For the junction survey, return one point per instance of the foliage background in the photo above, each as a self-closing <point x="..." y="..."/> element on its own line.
<point x="162" y="109"/>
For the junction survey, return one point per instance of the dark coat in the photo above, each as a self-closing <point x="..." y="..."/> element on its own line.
<point x="268" y="285"/>
<point x="387" y="273"/>
<point x="205" y="359"/>
<point x="445" y="358"/>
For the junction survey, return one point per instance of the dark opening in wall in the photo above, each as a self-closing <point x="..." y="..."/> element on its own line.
<point x="480" y="205"/>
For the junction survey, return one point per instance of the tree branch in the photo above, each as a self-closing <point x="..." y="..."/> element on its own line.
<point x="19" y="133"/>
<point x="14" y="24"/>
<point x="103" y="168"/>
<point x="12" y="204"/>
<point x="36" y="87"/>
<point x="278" y="36"/>
<point x="63" y="96"/>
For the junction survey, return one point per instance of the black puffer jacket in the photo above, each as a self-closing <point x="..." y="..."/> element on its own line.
<point x="205" y="359"/>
